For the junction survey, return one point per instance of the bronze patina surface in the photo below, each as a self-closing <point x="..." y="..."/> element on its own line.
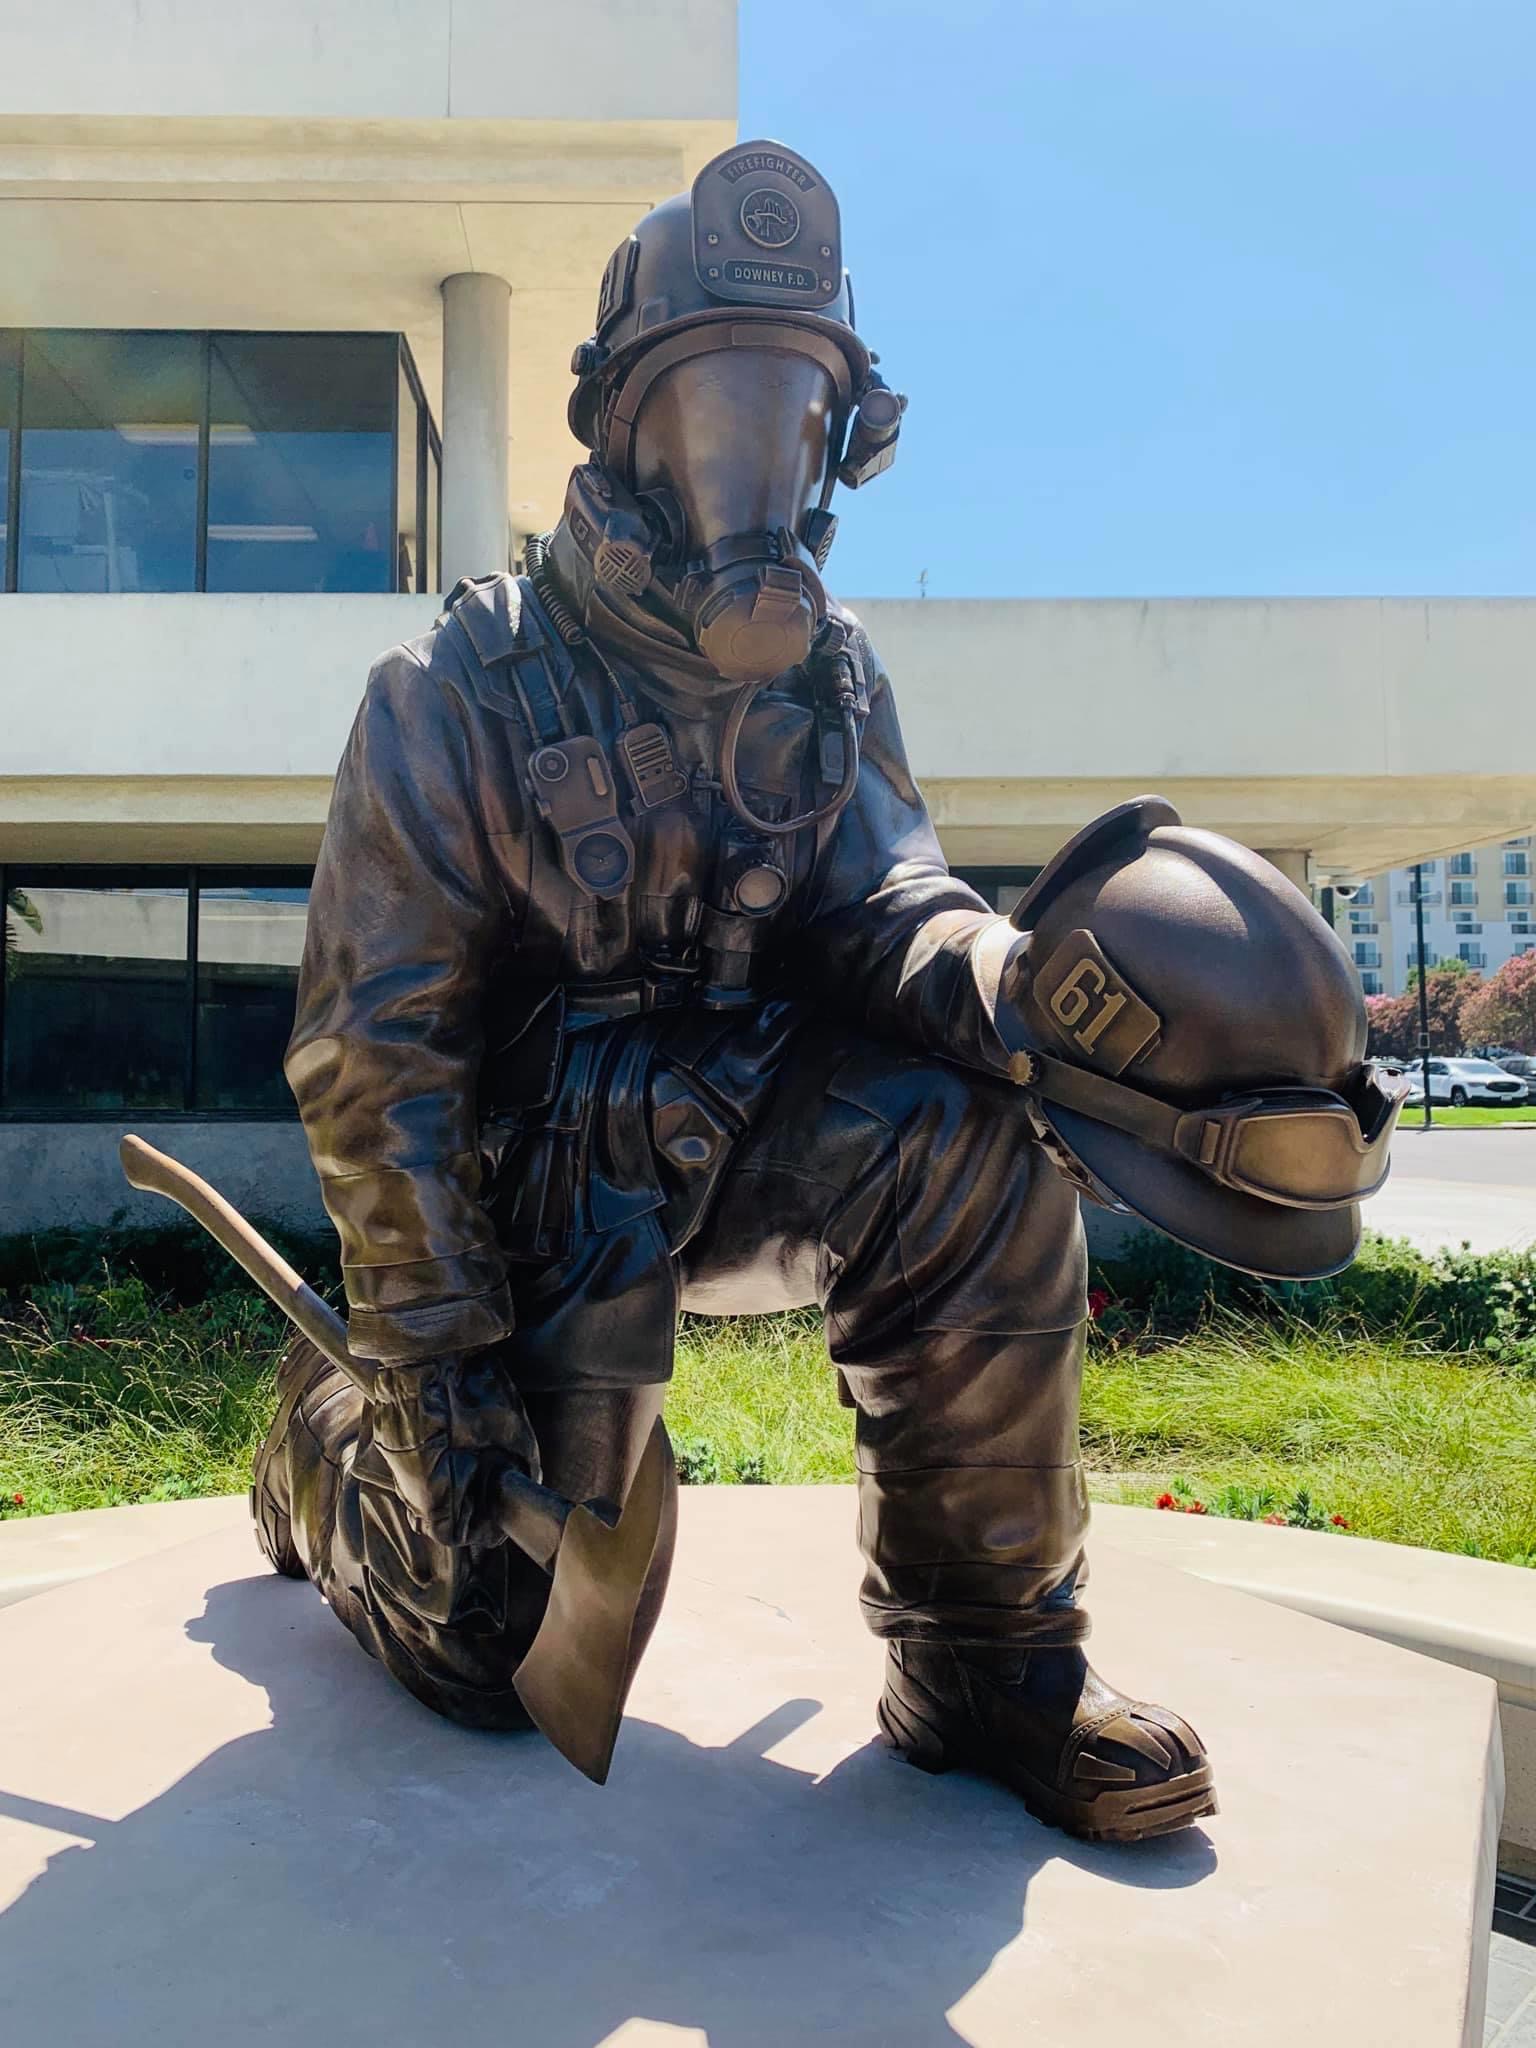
<point x="636" y="980"/>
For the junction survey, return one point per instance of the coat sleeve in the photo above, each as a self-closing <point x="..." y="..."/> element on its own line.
<point x="895" y="938"/>
<point x="406" y="914"/>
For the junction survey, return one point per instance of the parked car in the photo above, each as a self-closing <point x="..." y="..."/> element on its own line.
<point x="1521" y="1064"/>
<point x="1461" y="1082"/>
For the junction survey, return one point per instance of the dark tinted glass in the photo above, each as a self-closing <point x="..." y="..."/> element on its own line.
<point x="408" y="471"/>
<point x="301" y="462"/>
<point x="434" y="493"/>
<point x="95" y="996"/>
<point x="10" y="359"/>
<point x="249" y="942"/>
<point x="109" y="461"/>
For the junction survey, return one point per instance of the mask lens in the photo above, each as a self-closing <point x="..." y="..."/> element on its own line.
<point x="1312" y="1157"/>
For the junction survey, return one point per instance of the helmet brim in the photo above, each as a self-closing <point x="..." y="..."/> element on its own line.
<point x="1264" y="1238"/>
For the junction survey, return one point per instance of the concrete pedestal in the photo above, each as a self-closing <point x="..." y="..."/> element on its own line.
<point x="219" y="1822"/>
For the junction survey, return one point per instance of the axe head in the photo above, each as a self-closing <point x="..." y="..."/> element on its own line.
<point x="576" y="1676"/>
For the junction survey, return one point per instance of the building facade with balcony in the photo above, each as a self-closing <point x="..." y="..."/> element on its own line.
<point x="1478" y="909"/>
<point x="286" y="316"/>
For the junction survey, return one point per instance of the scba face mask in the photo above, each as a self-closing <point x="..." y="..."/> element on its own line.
<point x="726" y="393"/>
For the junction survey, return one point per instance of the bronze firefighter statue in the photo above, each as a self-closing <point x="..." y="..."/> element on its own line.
<point x="636" y="981"/>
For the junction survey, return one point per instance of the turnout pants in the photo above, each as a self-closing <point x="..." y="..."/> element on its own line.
<point x="905" y="1196"/>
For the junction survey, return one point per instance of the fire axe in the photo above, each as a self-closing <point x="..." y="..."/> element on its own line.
<point x="576" y="1674"/>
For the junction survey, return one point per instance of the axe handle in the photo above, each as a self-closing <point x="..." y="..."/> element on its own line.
<point x="159" y="1174"/>
<point x="530" y="1514"/>
<point x="599" y="1580"/>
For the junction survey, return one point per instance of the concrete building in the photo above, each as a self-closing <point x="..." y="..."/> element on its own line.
<point x="1477" y="909"/>
<point x="286" y="314"/>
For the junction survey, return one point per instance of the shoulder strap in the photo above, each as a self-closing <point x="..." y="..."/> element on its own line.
<point x="497" y="627"/>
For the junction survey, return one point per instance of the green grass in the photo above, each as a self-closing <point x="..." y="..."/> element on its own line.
<point x="106" y="1398"/>
<point x="1479" y="1118"/>
<point x="1429" y="1448"/>
<point x="169" y="1406"/>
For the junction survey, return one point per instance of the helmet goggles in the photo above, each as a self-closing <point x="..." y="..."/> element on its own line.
<point x="1305" y="1148"/>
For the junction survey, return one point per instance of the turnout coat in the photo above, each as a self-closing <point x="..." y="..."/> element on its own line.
<point x="500" y="1073"/>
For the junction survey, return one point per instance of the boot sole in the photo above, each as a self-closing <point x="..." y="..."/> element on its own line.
<point x="273" y="1527"/>
<point x="1138" y="1814"/>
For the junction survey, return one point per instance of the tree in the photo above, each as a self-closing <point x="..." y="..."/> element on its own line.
<point x="1503" y="1010"/>
<point x="18" y="904"/>
<point x="1395" y="1019"/>
<point x="1394" y="1026"/>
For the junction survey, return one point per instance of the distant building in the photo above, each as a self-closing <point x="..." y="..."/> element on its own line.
<point x="1478" y="909"/>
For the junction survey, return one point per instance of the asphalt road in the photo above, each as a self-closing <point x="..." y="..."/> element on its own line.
<point x="1450" y="1187"/>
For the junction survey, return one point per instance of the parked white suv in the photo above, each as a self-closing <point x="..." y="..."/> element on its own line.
<point x="1460" y="1082"/>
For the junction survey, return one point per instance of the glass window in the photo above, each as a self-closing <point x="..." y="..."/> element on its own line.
<point x="301" y="462"/>
<point x="249" y="943"/>
<point x="1516" y="893"/>
<point x="10" y="365"/>
<point x="1517" y="863"/>
<point x="1370" y="983"/>
<point x="434" y="498"/>
<point x="95" y="994"/>
<point x="98" y="1015"/>
<point x="408" y="477"/>
<point x="1463" y="892"/>
<point x="109" y="461"/>
<point x="1461" y="864"/>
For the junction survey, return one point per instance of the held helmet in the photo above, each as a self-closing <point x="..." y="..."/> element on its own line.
<point x="1198" y="1038"/>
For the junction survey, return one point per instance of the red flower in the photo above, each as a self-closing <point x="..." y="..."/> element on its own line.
<point x="1196" y="1507"/>
<point x="1166" y="1500"/>
<point x="1098" y="1301"/>
<point x="1338" y="1521"/>
<point x="1276" y="1521"/>
<point x="18" y="1500"/>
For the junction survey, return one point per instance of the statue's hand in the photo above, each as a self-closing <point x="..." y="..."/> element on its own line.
<point x="446" y="1431"/>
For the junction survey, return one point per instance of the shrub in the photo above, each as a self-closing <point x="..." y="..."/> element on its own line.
<point x="174" y="1261"/>
<point x="1441" y="1301"/>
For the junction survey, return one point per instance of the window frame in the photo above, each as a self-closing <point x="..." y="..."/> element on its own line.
<point x="10" y="559"/>
<point x="427" y="439"/>
<point x="193" y="877"/>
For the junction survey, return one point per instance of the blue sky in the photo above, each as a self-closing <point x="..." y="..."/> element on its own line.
<point x="1189" y="296"/>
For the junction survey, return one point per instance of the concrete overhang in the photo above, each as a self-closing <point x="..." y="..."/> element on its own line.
<point x="1366" y="733"/>
<point x="357" y="158"/>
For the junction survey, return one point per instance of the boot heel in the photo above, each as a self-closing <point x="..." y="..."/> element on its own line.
<point x="913" y="1738"/>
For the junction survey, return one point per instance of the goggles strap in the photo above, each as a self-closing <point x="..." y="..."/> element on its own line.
<point x="1108" y="1102"/>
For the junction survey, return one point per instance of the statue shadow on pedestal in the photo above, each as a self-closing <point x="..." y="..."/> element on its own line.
<point x="362" y="1873"/>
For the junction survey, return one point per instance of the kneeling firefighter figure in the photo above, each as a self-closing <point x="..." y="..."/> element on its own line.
<point x="636" y="981"/>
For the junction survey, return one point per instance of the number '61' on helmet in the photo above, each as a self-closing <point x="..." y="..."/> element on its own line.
<point x="1199" y="1041"/>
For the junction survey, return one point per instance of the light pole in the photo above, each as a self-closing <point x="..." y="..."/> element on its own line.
<point x="1418" y="918"/>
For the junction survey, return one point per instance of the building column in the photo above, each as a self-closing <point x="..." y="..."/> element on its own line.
<point x="476" y="326"/>
<point x="1294" y="862"/>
